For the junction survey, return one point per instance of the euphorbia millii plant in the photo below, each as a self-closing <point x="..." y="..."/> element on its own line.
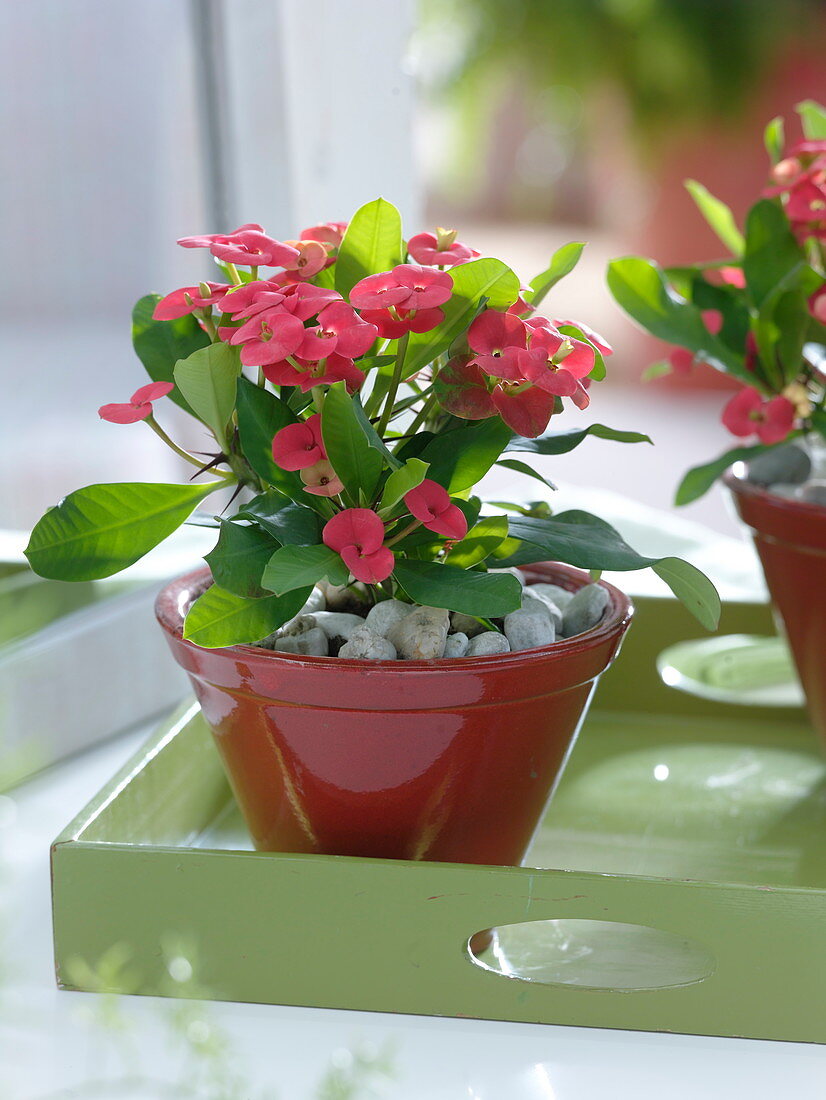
<point x="759" y="314"/>
<point x="357" y="387"/>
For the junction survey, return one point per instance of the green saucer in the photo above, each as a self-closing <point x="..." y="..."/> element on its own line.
<point x="745" y="669"/>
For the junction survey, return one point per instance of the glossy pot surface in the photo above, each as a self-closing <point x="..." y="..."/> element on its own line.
<point x="790" y="537"/>
<point x="450" y="760"/>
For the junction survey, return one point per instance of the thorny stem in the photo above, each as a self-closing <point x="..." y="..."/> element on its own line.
<point x="390" y="400"/>
<point x="158" y="430"/>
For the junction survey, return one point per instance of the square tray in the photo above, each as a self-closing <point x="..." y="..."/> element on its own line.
<point x="695" y="829"/>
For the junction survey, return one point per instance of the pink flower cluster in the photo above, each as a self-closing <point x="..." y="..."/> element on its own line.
<point x="273" y="333"/>
<point x="358" y="535"/>
<point x="801" y="177"/>
<point x="531" y="362"/>
<point x="403" y="300"/>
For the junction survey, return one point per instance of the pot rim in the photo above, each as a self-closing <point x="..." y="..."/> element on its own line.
<point x="169" y="602"/>
<point x="735" y="480"/>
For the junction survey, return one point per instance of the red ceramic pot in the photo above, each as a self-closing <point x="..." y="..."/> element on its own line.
<point x="790" y="537"/>
<point x="450" y="760"/>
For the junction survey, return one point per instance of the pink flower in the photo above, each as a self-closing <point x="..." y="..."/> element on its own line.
<point x="497" y="338"/>
<point x="299" y="446"/>
<point x="252" y="298"/>
<point x="599" y="342"/>
<point x="407" y="286"/>
<point x="526" y="410"/>
<point x="247" y="245"/>
<point x="463" y="391"/>
<point x="682" y="361"/>
<point x="139" y="406"/>
<point x="312" y="258"/>
<point x="733" y="276"/>
<point x="307" y="374"/>
<point x="268" y="337"/>
<point x="749" y="413"/>
<point x="187" y="299"/>
<point x="331" y="233"/>
<point x="802" y="178"/>
<point x="439" y="249"/>
<point x="391" y="324"/>
<point x="357" y="535"/>
<point x="321" y="479"/>
<point x="339" y="329"/>
<point x="430" y="503"/>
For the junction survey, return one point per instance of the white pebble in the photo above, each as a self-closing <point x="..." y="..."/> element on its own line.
<point x="520" y="576"/>
<point x="585" y="609"/>
<point x="527" y="629"/>
<point x="813" y="492"/>
<point x="553" y="592"/>
<point x="338" y="624"/>
<point x="366" y="645"/>
<point x="456" y="645"/>
<point x="536" y="603"/>
<point x="313" y="643"/>
<point x="421" y="635"/>
<point x="484" y="645"/>
<point x="383" y="617"/>
<point x="316" y="601"/>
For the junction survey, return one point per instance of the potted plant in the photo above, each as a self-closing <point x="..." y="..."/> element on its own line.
<point x="759" y="315"/>
<point x="378" y="680"/>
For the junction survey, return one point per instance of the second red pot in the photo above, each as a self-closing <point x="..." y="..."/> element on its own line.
<point x="451" y="760"/>
<point x="790" y="537"/>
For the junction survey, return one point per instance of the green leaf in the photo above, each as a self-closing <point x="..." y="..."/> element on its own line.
<point x="523" y="468"/>
<point x="580" y="539"/>
<point x="692" y="588"/>
<point x="480" y="542"/>
<point x="813" y="119"/>
<point x="348" y="448"/>
<point x="488" y="595"/>
<point x="260" y="415"/>
<point x="160" y="344"/>
<point x="656" y="370"/>
<point x="485" y="279"/>
<point x="461" y="457"/>
<point x="372" y="243"/>
<point x="563" y="262"/>
<point x="219" y="618"/>
<point x="699" y="479"/>
<point x="289" y="524"/>
<point x="208" y="380"/>
<point x="298" y="566"/>
<point x="772" y="253"/>
<point x="401" y="481"/>
<point x="774" y="139"/>
<point x="373" y="438"/>
<point x="597" y="372"/>
<point x="718" y="216"/>
<point x="559" y="443"/>
<point x="100" y="530"/>
<point x="639" y="286"/>
<point x="238" y="558"/>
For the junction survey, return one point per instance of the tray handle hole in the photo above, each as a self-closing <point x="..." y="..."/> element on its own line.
<point x="591" y="954"/>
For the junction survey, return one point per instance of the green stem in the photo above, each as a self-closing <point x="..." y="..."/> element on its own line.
<point x="158" y="430"/>
<point x="208" y="323"/>
<point x="232" y="271"/>
<point x="423" y="414"/>
<point x="404" y="532"/>
<point x="390" y="400"/>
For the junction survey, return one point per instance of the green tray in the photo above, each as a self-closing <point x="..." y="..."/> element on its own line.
<point x="678" y="882"/>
